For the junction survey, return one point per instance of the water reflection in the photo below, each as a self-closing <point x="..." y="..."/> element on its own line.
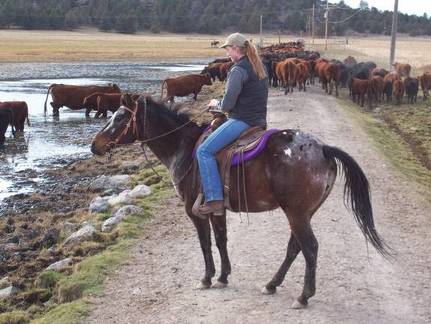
<point x="58" y="141"/>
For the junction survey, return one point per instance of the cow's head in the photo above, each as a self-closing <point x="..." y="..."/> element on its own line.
<point x="207" y="79"/>
<point x="122" y="128"/>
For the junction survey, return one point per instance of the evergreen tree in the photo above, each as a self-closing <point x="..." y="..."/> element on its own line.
<point x="155" y="26"/>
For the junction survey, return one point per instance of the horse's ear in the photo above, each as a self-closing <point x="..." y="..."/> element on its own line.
<point x="126" y="100"/>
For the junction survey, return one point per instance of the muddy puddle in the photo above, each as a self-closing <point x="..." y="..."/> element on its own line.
<point x="51" y="142"/>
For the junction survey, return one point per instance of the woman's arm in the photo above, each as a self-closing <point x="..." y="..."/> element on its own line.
<point x="235" y="81"/>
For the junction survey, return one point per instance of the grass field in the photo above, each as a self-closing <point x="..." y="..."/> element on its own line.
<point x="412" y="50"/>
<point x="91" y="45"/>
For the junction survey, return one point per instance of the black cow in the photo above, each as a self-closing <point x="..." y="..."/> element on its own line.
<point x="411" y="86"/>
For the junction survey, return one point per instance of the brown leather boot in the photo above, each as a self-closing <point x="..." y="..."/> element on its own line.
<point x="215" y="207"/>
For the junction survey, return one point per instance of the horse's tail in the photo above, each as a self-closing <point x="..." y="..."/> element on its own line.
<point x="46" y="99"/>
<point x="357" y="192"/>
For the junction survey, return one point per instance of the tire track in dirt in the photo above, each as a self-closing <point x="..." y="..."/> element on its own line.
<point x="353" y="285"/>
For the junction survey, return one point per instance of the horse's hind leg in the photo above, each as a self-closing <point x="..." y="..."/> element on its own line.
<point x="302" y="239"/>
<point x="309" y="247"/>
<point x="293" y="249"/>
<point x="219" y="228"/>
<point x="204" y="234"/>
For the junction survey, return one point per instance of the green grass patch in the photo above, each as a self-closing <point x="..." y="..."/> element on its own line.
<point x="17" y="317"/>
<point x="48" y="279"/>
<point x="68" y="313"/>
<point x="71" y="292"/>
<point x="392" y="145"/>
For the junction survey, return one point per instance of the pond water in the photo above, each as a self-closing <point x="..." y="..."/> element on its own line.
<point x="57" y="142"/>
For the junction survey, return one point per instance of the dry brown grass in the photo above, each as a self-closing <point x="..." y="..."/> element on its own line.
<point x="91" y="45"/>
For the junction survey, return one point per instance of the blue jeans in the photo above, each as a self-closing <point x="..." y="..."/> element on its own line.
<point x="226" y="134"/>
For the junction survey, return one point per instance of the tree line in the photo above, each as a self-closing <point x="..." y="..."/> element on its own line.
<point x="205" y="16"/>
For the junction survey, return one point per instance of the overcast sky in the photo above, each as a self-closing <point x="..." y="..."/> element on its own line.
<point x="413" y="7"/>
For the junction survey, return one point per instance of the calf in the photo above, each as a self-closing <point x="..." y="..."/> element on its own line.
<point x="388" y="84"/>
<point x="377" y="86"/>
<point x="379" y="71"/>
<point x="411" y="86"/>
<point x="224" y="69"/>
<point x="402" y="69"/>
<point x="289" y="72"/>
<point x="359" y="89"/>
<point x="213" y="69"/>
<point x="20" y="114"/>
<point x="398" y="90"/>
<point x="6" y="119"/>
<point x="105" y="102"/>
<point x="72" y="96"/>
<point x="425" y="80"/>
<point x="302" y="75"/>
<point x="184" y="85"/>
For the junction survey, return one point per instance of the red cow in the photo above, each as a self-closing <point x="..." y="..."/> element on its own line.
<point x="72" y="96"/>
<point x="224" y="69"/>
<point x="184" y="85"/>
<point x="5" y="120"/>
<point x="377" y="86"/>
<point x="402" y="69"/>
<point x="105" y="102"/>
<point x="20" y="114"/>
<point x="359" y="89"/>
<point x="398" y="90"/>
<point x="302" y="75"/>
<point x="425" y="80"/>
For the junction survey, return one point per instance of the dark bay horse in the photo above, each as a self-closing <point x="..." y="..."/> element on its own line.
<point x="295" y="172"/>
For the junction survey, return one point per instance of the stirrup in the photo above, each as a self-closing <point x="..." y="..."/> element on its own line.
<point x="195" y="208"/>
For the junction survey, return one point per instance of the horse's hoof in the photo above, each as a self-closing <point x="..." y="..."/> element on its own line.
<point x="266" y="291"/>
<point x="297" y="305"/>
<point x="202" y="286"/>
<point x="219" y="285"/>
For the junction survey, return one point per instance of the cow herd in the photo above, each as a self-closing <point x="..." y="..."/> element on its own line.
<point x="365" y="80"/>
<point x="288" y="66"/>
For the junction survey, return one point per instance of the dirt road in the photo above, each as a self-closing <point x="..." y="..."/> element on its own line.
<point x="354" y="285"/>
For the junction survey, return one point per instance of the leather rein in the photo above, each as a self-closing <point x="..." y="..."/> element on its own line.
<point x="132" y="123"/>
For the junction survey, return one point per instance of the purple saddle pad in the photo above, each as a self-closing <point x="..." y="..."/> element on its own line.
<point x="248" y="155"/>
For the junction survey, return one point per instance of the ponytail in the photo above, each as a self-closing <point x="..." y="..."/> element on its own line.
<point x="255" y="60"/>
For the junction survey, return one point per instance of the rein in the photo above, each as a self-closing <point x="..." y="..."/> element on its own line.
<point x="133" y="123"/>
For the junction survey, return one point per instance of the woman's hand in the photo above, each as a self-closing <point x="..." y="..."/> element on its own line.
<point x="213" y="103"/>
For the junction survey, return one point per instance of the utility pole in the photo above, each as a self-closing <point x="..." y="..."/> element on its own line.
<point x="393" y="35"/>
<point x="261" y="40"/>
<point x="326" y="25"/>
<point x="312" y="25"/>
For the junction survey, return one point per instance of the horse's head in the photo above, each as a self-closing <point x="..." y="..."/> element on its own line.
<point x="122" y="128"/>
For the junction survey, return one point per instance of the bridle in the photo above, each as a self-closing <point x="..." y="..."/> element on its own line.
<point x="132" y="123"/>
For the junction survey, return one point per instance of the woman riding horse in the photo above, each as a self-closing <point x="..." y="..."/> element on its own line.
<point x="245" y="99"/>
<point x="294" y="171"/>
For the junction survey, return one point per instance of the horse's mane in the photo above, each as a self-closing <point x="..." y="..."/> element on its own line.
<point x="172" y="112"/>
<point x="169" y="111"/>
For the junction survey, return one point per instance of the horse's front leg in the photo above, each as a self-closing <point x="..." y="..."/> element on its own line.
<point x="204" y="234"/>
<point x="220" y="234"/>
